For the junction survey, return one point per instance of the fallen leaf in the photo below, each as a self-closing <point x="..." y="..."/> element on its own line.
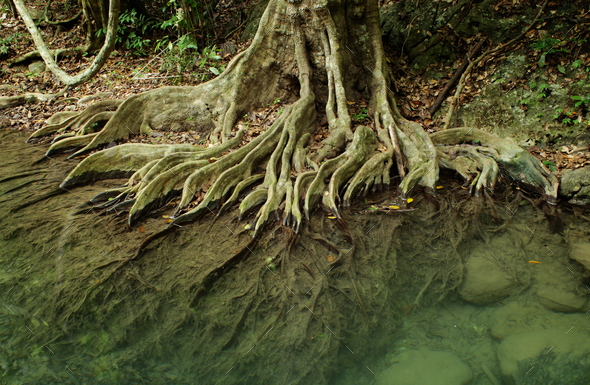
<point x="141" y="229"/>
<point x="410" y="200"/>
<point x="439" y="187"/>
<point x="394" y="207"/>
<point x="330" y="258"/>
<point x="408" y="309"/>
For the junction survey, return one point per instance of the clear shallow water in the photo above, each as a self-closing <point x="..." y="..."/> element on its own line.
<point x="73" y="313"/>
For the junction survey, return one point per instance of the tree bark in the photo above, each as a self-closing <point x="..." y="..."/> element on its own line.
<point x="98" y="61"/>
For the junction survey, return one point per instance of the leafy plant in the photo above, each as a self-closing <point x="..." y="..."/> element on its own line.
<point x="542" y="88"/>
<point x="548" y="45"/>
<point x="131" y="31"/>
<point x="177" y="55"/>
<point x="6" y="42"/>
<point x="549" y="164"/>
<point x="581" y="100"/>
<point x="577" y="63"/>
<point x="362" y="115"/>
<point x="558" y="114"/>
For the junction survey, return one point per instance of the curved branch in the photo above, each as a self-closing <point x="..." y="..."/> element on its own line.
<point x="99" y="60"/>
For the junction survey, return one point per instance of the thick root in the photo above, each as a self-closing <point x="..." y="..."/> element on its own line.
<point x="31" y="97"/>
<point x="69" y="143"/>
<point x="61" y="122"/>
<point x="516" y="162"/>
<point x="341" y="168"/>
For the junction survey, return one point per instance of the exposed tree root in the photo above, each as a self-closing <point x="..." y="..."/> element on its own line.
<point x="353" y="160"/>
<point x="97" y="63"/>
<point x="56" y="54"/>
<point x="33" y="97"/>
<point x="519" y="164"/>
<point x="78" y="123"/>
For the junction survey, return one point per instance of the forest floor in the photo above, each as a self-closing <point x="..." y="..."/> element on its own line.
<point x="131" y="71"/>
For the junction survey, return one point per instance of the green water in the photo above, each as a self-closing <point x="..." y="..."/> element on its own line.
<point x="449" y="293"/>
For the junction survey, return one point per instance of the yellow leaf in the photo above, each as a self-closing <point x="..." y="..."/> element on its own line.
<point x="439" y="187"/>
<point x="394" y="207"/>
<point x="169" y="220"/>
<point x="165" y="216"/>
<point x="332" y="217"/>
<point x="410" y="200"/>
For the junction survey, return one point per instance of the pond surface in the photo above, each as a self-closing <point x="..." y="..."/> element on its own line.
<point x="446" y="290"/>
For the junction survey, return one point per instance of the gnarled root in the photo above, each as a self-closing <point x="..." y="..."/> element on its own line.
<point x="77" y="122"/>
<point x="516" y="162"/>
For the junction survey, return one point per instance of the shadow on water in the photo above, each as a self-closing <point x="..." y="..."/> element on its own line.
<point x="439" y="290"/>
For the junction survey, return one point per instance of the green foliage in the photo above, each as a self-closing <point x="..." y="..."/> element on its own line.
<point x="542" y="88"/>
<point x="131" y="31"/>
<point x="362" y="115"/>
<point x="6" y="42"/>
<point x="177" y="55"/>
<point x="549" y="44"/>
<point x="549" y="164"/>
<point x="579" y="100"/>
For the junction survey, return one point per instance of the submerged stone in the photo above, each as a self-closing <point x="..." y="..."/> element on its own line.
<point x="551" y="356"/>
<point x="485" y="281"/>
<point x="580" y="252"/>
<point x="560" y="299"/>
<point x="424" y="366"/>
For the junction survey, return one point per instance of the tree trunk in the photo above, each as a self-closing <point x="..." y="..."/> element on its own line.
<point x="312" y="54"/>
<point x="96" y="17"/>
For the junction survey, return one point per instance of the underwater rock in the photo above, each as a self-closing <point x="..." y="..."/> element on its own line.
<point x="516" y="318"/>
<point x="581" y="252"/>
<point x="560" y="299"/>
<point x="485" y="281"/>
<point x="550" y="356"/>
<point x="424" y="366"/>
